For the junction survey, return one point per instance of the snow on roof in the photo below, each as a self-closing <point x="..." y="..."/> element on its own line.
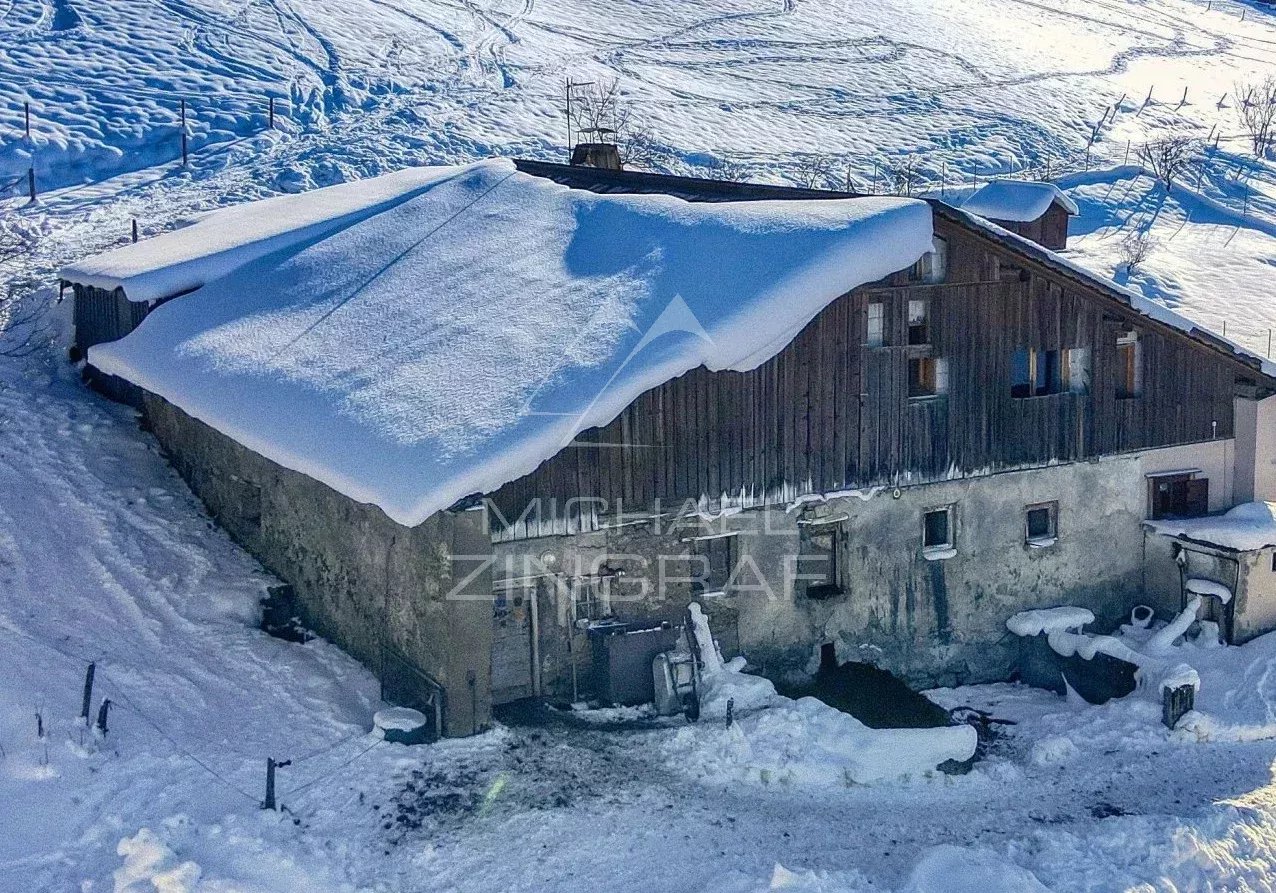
<point x="452" y="343"/>
<point x="1246" y="528"/>
<point x="1017" y="200"/>
<point x="226" y="239"/>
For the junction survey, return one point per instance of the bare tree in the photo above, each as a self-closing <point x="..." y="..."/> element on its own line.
<point x="815" y="171"/>
<point x="1135" y="248"/>
<point x="1257" y="110"/>
<point x="1170" y="158"/>
<point x="905" y="177"/>
<point x="23" y="307"/>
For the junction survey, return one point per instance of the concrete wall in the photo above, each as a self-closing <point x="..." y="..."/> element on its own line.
<point x="1216" y="460"/>
<point x="1265" y="450"/>
<point x="935" y="622"/>
<point x="1255" y="610"/>
<point x="363" y="581"/>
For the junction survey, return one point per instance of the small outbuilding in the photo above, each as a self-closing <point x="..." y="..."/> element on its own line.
<point x="1036" y="211"/>
<point x="1228" y="560"/>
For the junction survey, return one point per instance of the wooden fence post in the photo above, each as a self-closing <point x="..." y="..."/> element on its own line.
<point x="101" y="716"/>
<point x="272" y="113"/>
<point x="1175" y="702"/>
<point x="26" y="118"/>
<point x="31" y="182"/>
<point x="134" y="229"/>
<point x="271" y="766"/>
<point x="184" y="147"/>
<point x="88" y="693"/>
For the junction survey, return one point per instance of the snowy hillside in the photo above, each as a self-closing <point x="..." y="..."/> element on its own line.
<point x="796" y="90"/>
<point x="105" y="556"/>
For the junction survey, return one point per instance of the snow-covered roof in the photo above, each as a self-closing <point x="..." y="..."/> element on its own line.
<point x="1017" y="201"/>
<point x="1246" y="528"/>
<point x="226" y="239"/>
<point x="453" y="342"/>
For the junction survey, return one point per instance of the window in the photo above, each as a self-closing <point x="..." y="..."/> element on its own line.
<point x="937" y="532"/>
<point x="818" y="564"/>
<point x="718" y="559"/>
<point x="876" y="335"/>
<point x="918" y="323"/>
<point x="927" y="377"/>
<point x="1076" y="370"/>
<point x="1036" y="373"/>
<point x="591" y="598"/>
<point x="1129" y="366"/>
<point x="1178" y="495"/>
<point x="934" y="264"/>
<point x="1041" y="523"/>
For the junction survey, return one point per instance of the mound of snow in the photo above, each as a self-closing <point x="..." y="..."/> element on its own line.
<point x="1247" y="527"/>
<point x="1049" y="620"/>
<point x="452" y="343"/>
<point x="954" y="869"/>
<point x="777" y="739"/>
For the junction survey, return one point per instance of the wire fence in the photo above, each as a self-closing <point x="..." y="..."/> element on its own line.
<point x="100" y="677"/>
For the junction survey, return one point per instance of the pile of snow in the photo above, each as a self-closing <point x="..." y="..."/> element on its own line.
<point x="1246" y="528"/>
<point x="1145" y="647"/>
<point x="1048" y="620"/>
<point x="1209" y="587"/>
<point x="452" y="343"/>
<point x="225" y="240"/>
<point x="777" y="739"/>
<point x="1017" y="201"/>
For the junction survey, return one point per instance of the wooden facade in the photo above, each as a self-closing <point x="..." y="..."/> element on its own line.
<point x="102" y="315"/>
<point x="832" y="413"/>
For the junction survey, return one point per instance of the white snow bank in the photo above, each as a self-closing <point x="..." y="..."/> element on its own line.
<point x="954" y="869"/>
<point x="1017" y="201"/>
<point x="778" y="739"/>
<point x="150" y="866"/>
<point x="1048" y="620"/>
<point x="225" y="240"/>
<point x="1209" y="587"/>
<point x="1245" y="528"/>
<point x="450" y="344"/>
<point x="1236" y="696"/>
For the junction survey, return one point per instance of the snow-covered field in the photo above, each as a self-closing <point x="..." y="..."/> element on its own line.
<point x="104" y="555"/>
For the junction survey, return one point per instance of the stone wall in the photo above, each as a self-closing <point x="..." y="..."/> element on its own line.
<point x="934" y="621"/>
<point x="366" y="583"/>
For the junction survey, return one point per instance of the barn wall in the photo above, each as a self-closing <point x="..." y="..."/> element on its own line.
<point x="102" y="315"/>
<point x="363" y="581"/>
<point x="828" y="413"/>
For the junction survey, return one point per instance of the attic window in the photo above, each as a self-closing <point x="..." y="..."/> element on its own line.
<point x="876" y="333"/>
<point x="918" y="323"/>
<point x="934" y="263"/>
<point x="1129" y="365"/>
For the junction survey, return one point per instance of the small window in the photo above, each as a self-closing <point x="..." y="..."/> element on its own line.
<point x="1129" y="366"/>
<point x="934" y="264"/>
<point x="937" y="530"/>
<point x="1034" y="373"/>
<point x="591" y="598"/>
<point x="1041" y="523"/>
<point x="1076" y="370"/>
<point x="918" y="323"/>
<point x="927" y="377"/>
<point x="1182" y="495"/>
<point x="876" y="335"/>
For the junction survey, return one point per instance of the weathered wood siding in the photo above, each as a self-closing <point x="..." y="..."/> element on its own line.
<point x="1049" y="230"/>
<point x="102" y="315"/>
<point x="828" y="413"/>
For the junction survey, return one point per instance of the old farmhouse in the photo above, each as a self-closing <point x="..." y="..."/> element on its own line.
<point x="470" y="412"/>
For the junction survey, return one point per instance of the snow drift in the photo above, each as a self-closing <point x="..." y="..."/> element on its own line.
<point x="454" y="341"/>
